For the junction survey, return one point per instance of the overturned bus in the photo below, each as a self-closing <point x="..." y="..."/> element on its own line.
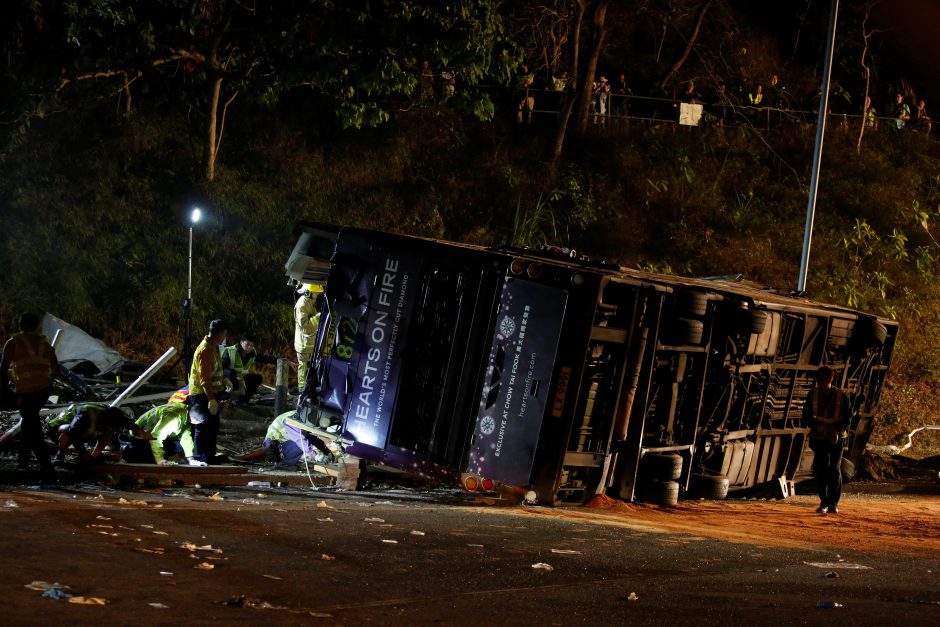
<point x="545" y="372"/>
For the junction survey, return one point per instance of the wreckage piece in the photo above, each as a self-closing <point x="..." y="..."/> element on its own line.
<point x="74" y="346"/>
<point x="892" y="449"/>
<point x="124" y="397"/>
<point x="144" y="377"/>
<point x="171" y="474"/>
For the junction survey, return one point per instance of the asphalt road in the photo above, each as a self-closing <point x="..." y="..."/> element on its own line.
<point x="295" y="556"/>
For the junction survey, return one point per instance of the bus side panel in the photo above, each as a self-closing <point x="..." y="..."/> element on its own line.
<point x="516" y="386"/>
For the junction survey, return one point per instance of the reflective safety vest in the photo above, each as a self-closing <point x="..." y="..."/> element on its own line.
<point x="167" y="421"/>
<point x="30" y="362"/>
<point x="235" y="359"/>
<point x="196" y="383"/>
<point x="179" y="396"/>
<point x="306" y="323"/>
<point x="71" y="411"/>
<point x="828" y="409"/>
<point x="277" y="430"/>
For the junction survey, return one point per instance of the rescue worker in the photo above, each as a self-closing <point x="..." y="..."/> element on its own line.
<point x="55" y="424"/>
<point x="169" y="434"/>
<point x="180" y="396"/>
<point x="93" y="422"/>
<point x="206" y="391"/>
<point x="237" y="361"/>
<point x="307" y="321"/>
<point x="828" y="413"/>
<point x="29" y="361"/>
<point x="286" y="445"/>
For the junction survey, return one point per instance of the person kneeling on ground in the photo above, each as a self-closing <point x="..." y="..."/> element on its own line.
<point x="286" y="445"/>
<point x="170" y="436"/>
<point x="237" y="362"/>
<point x="92" y="422"/>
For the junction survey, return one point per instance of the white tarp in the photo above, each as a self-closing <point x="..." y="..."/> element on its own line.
<point x="75" y="346"/>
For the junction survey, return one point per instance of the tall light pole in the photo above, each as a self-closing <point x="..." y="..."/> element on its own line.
<point x="194" y="216"/>
<point x="817" y="153"/>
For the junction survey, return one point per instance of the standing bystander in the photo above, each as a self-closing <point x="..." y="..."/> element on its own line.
<point x="828" y="413"/>
<point x="29" y="361"/>
<point x="901" y="112"/>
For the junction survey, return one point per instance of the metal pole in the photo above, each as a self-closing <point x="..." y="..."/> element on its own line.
<point x="817" y="153"/>
<point x="188" y="312"/>
<point x="144" y="377"/>
<point x="280" y="387"/>
<point x="189" y="285"/>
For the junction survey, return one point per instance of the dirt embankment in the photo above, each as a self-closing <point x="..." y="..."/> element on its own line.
<point x="893" y="523"/>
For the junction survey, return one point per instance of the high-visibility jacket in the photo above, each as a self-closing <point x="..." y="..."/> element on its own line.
<point x="31" y="360"/>
<point x="277" y="430"/>
<point x="197" y="382"/>
<point x="179" y="396"/>
<point x="167" y="421"/>
<point x="307" y="321"/>
<point x="235" y="359"/>
<point x="71" y="411"/>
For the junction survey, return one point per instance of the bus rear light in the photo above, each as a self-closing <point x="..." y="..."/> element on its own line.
<point x="534" y="270"/>
<point x="516" y="267"/>
<point x="487" y="484"/>
<point x="471" y="482"/>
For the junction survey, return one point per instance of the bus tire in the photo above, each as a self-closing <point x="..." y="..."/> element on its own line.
<point x="869" y="333"/>
<point x="661" y="492"/>
<point x="710" y="487"/>
<point x="692" y="303"/>
<point x="687" y="331"/>
<point x="847" y="468"/>
<point x="662" y="466"/>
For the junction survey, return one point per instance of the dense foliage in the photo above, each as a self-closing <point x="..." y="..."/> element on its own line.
<point x="104" y="153"/>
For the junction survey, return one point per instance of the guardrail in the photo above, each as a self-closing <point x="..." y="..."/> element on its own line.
<point x="620" y="108"/>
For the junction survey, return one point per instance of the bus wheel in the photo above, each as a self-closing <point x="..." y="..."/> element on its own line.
<point x="662" y="466"/>
<point x="661" y="492"/>
<point x="710" y="487"/>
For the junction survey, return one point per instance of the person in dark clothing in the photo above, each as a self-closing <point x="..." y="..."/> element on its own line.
<point x="93" y="423"/>
<point x="828" y="413"/>
<point x="29" y="361"/>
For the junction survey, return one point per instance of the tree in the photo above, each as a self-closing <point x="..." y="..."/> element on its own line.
<point x="596" y="36"/>
<point x="359" y="59"/>
<point x="867" y="34"/>
<point x="689" y="44"/>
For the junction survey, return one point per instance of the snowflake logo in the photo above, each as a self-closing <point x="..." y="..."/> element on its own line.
<point x="507" y="326"/>
<point x="487" y="425"/>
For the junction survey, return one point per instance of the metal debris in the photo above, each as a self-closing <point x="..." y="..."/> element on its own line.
<point x="88" y="601"/>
